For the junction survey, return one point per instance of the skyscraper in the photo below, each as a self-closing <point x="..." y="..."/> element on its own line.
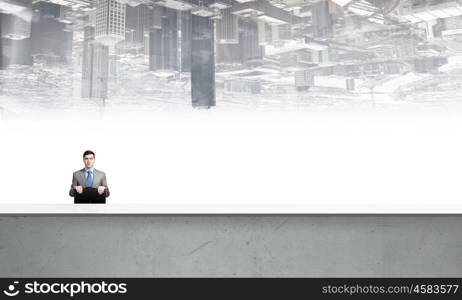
<point x="202" y="63"/>
<point x="110" y="22"/>
<point x="248" y="48"/>
<point x="95" y="66"/>
<point x="134" y="25"/>
<point x="248" y="39"/>
<point x="50" y="41"/>
<point x="163" y="42"/>
<point x="321" y="19"/>
<point x="15" y="27"/>
<point x="227" y="31"/>
<point x="185" y="46"/>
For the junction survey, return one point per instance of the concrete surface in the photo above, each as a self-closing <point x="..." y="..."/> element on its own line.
<point x="236" y="246"/>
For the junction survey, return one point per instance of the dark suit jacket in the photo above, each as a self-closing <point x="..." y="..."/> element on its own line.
<point x="78" y="178"/>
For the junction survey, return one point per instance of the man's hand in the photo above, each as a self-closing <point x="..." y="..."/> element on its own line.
<point x="79" y="189"/>
<point x="101" y="189"/>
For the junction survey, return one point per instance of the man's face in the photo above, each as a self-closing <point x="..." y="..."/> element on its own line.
<point x="89" y="160"/>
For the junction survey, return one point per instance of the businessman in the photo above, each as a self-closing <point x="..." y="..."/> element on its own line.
<point x="89" y="177"/>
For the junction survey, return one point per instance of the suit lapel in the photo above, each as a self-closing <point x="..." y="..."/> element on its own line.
<point x="82" y="175"/>
<point x="95" y="176"/>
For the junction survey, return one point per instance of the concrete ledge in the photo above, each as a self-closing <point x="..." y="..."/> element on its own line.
<point x="234" y="246"/>
<point x="277" y="209"/>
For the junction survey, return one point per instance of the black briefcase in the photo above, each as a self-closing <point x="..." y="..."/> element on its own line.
<point x="89" y="195"/>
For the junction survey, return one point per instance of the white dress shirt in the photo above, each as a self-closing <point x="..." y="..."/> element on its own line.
<point x="91" y="170"/>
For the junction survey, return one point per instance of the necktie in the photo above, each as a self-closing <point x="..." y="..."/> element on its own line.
<point x="89" y="179"/>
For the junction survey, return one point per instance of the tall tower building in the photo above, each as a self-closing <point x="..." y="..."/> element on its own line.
<point x="322" y="21"/>
<point x="248" y="40"/>
<point x="227" y="31"/>
<point x="14" y="27"/>
<point x="185" y="47"/>
<point x="50" y="41"/>
<point x="15" y="36"/>
<point x="95" y="66"/>
<point x="110" y="22"/>
<point x="134" y="24"/>
<point x="248" y="48"/>
<point x="163" y="42"/>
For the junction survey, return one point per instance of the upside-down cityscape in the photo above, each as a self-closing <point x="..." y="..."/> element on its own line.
<point x="234" y="52"/>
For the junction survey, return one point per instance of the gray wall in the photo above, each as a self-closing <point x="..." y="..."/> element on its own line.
<point x="193" y="246"/>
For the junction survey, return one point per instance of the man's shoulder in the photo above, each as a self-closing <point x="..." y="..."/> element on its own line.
<point x="78" y="171"/>
<point x="99" y="171"/>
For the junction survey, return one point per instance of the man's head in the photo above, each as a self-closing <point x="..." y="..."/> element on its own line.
<point x="88" y="159"/>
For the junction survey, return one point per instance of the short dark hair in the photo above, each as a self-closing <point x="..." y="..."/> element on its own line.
<point x="89" y="152"/>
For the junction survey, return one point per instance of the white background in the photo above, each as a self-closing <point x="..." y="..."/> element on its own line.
<point x="212" y="157"/>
